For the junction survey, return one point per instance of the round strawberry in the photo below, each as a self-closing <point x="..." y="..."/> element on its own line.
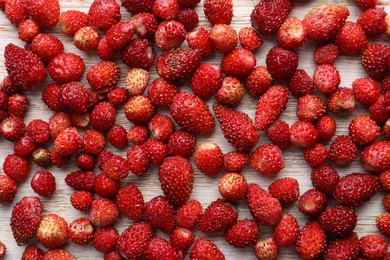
<point x="342" y="101"/>
<point x="311" y="241"/>
<point x="343" y="151"/>
<point x="68" y="142"/>
<point x="106" y="187"/>
<point x="139" y="109"/>
<point x="47" y="46"/>
<point x="235" y="161"/>
<point x="81" y="231"/>
<point x="373" y="247"/>
<point x="310" y="108"/>
<point x="326" y="54"/>
<point x="286" y="190"/>
<point x="303" y="134"/>
<point x="206" y="80"/>
<point x="189" y="214"/>
<point x="281" y="63"/>
<point x="363" y="130"/>
<point x="325" y="178"/>
<point x="244" y="233"/>
<point x="43" y="183"/>
<point x="103" y="116"/>
<point x="162" y="92"/>
<point x="169" y="35"/>
<point x="351" y="39"/>
<point x="205" y="249"/>
<point x="32" y="252"/>
<point x="312" y="203"/>
<point x="104" y="239"/>
<point x="375" y="60"/>
<point x="12" y="128"/>
<point x="103" y="212"/>
<point x="200" y="39"/>
<point x="165" y="9"/>
<point x="326" y="78"/>
<point x="66" y="67"/>
<point x="338" y="221"/>
<point x="267" y="159"/>
<point x="160" y="214"/>
<point x="223" y="38"/>
<point x="279" y="134"/>
<point x="249" y="38"/>
<point x="292" y="34"/>
<point x="383" y="223"/>
<point x="138" y="159"/>
<point x="286" y="231"/>
<point x="81" y="200"/>
<point x="374" y="158"/>
<point x="8" y="189"/>
<point x="104" y="13"/>
<point x="233" y="186"/>
<point x="208" y="158"/>
<point x="373" y="21"/>
<point x="52" y="231"/>
<point x="218" y="216"/>
<point x="16" y="167"/>
<point x="72" y="20"/>
<point x="145" y="24"/>
<point x="258" y="81"/>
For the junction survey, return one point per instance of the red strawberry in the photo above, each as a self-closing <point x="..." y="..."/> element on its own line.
<point x="118" y="96"/>
<point x="12" y="128"/>
<point x="103" y="212"/>
<point x="52" y="231"/>
<point x="188" y="3"/>
<point x="58" y="253"/>
<point x="270" y="106"/>
<point x="38" y="130"/>
<point x="356" y="188"/>
<point x="66" y="67"/>
<point x="206" y="80"/>
<point x="93" y="142"/>
<point x="165" y="9"/>
<point x="181" y="143"/>
<point x="31" y="73"/>
<point x="189" y="214"/>
<point x="117" y="168"/>
<point x="81" y="231"/>
<point x="44" y="12"/>
<point x="145" y="24"/>
<point x="235" y="161"/>
<point x="375" y="60"/>
<point x="204" y="249"/>
<point x="384" y="178"/>
<point x="160" y="214"/>
<point x="104" y="13"/>
<point x="192" y="114"/>
<point x="103" y="76"/>
<point x="188" y="17"/>
<point x="258" y="81"/>
<point x="32" y="252"/>
<point x="311" y="241"/>
<point x="181" y="238"/>
<point x="366" y="4"/>
<point x="103" y="116"/>
<point x="200" y="39"/>
<point x="366" y="90"/>
<point x="138" y="53"/>
<point x="341" y="101"/>
<point x="237" y="127"/>
<point x="8" y="189"/>
<point x="218" y="11"/>
<point x="373" y="247"/>
<point x="223" y="37"/>
<point x="120" y="34"/>
<point x="86" y="38"/>
<point x="281" y="63"/>
<point x="249" y="38"/>
<point x="169" y="35"/>
<point x="363" y="130"/>
<point x="155" y="150"/>
<point x="81" y="200"/>
<point x="137" y="6"/>
<point x="159" y="248"/>
<point x="286" y="231"/>
<point x="238" y="63"/>
<point x="375" y="158"/>
<point x="292" y="34"/>
<point x="326" y="127"/>
<point x="326" y="54"/>
<point x="162" y="92"/>
<point x="176" y="177"/>
<point x="338" y="221"/>
<point x="218" y="216"/>
<point x="378" y="111"/>
<point x="351" y="39"/>
<point x="264" y="208"/>
<point x="312" y="202"/>
<point x="25" y="146"/>
<point x="266" y="249"/>
<point x="382" y="223"/>
<point x="106" y="187"/>
<point x="72" y="20"/>
<point x="68" y="142"/>
<point x="117" y="136"/>
<point x="9" y="87"/>
<point x="316" y="156"/>
<point x="343" y="248"/>
<point x="343" y="151"/>
<point x="303" y="134"/>
<point x="43" y="183"/>
<point x="233" y="186"/>
<point x="16" y="11"/>
<point x="325" y="178"/>
<point x="47" y="46"/>
<point x="242" y="234"/>
<point x="324" y="20"/>
<point x="138" y="134"/>
<point x="17" y="105"/>
<point x="208" y="158"/>
<point x="81" y="180"/>
<point x="268" y="16"/>
<point x="16" y="167"/>
<point x="133" y="240"/>
<point x="104" y="239"/>
<point x="310" y="108"/>
<point x="51" y="96"/>
<point x="279" y="134"/>
<point x="231" y="92"/>
<point x="326" y="78"/>
<point x="267" y="159"/>
<point x="286" y="190"/>
<point x="373" y="21"/>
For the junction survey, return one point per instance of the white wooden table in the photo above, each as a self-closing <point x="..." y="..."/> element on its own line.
<point x="205" y="188"/>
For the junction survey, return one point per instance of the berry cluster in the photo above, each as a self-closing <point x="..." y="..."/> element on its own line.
<point x="166" y="121"/>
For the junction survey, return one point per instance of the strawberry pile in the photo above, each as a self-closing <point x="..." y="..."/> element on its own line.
<point x="166" y="120"/>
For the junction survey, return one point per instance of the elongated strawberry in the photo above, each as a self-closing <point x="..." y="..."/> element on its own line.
<point x="343" y="248"/>
<point x="44" y="12"/>
<point x="218" y="216"/>
<point x="159" y="248"/>
<point x="161" y="214"/>
<point x="270" y="106"/>
<point x="375" y="60"/>
<point x="286" y="190"/>
<point x="133" y="240"/>
<point x="375" y="158"/>
<point x="286" y="231"/>
<point x="130" y="202"/>
<point x="244" y="233"/>
<point x="237" y="127"/>
<point x="192" y="114"/>
<point x="206" y="80"/>
<point x="311" y="241"/>
<point x="204" y="249"/>
<point x="338" y="221"/>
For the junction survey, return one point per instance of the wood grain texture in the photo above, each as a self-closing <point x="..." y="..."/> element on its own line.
<point x="205" y="188"/>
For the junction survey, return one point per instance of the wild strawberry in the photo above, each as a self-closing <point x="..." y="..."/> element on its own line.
<point x="242" y="234"/>
<point x="103" y="116"/>
<point x="66" y="67"/>
<point x="104" y="13"/>
<point x="231" y="92"/>
<point x="343" y="248"/>
<point x="103" y="76"/>
<point x="366" y="4"/>
<point x="32" y="252"/>
<point x="342" y="100"/>
<point x="286" y="231"/>
<point x="43" y="183"/>
<point x="9" y="87"/>
<point x="386" y="202"/>
<point x="155" y="150"/>
<point x="104" y="51"/>
<point x="103" y="212"/>
<point x="81" y="231"/>
<point x="268" y="16"/>
<point x="325" y="178"/>
<point x="279" y="134"/>
<point x="165" y="10"/>
<point x="266" y="249"/>
<point x="12" y="128"/>
<point x="218" y="11"/>
<point x="310" y="108"/>
<point x="205" y="249"/>
<point x="57" y="123"/>
<point x="200" y="39"/>
<point x="338" y="221"/>
<point x="270" y="106"/>
<point x="86" y="38"/>
<point x="25" y="146"/>
<point x="162" y="92"/>
<point x="237" y="127"/>
<point x="223" y="37"/>
<point x="169" y="35"/>
<point x="281" y="63"/>
<point x="356" y="188"/>
<point x="157" y="248"/>
<point x="343" y="151"/>
<point x="312" y="203"/>
<point x="286" y="190"/>
<point x="3" y="100"/>
<point x="16" y="167"/>
<point x="303" y="134"/>
<point x="68" y="142"/>
<point x="58" y="253"/>
<point x="139" y="109"/>
<point x="373" y="21"/>
<point x="316" y="156"/>
<point x="31" y="73"/>
<point x="130" y="202"/>
<point x="326" y="54"/>
<point x="80" y="120"/>
<point x="189" y="214"/>
<point x="118" y="96"/>
<point x="375" y="158"/>
<point x="160" y="214"/>
<point x="176" y="182"/>
<point x="8" y="189"/>
<point x="133" y="240"/>
<point x="120" y="34"/>
<point x="138" y="159"/>
<point x="80" y="180"/>
<point x="235" y="161"/>
<point x="292" y="34"/>
<point x="233" y="186"/>
<point x="182" y="238"/>
<point x="311" y="241"/>
<point x="206" y="80"/>
<point x="137" y="6"/>
<point x="117" y="136"/>
<point x="366" y="90"/>
<point x="363" y="130"/>
<point x="375" y="60"/>
<point x="51" y="96"/>
<point x="42" y="157"/>
<point x="384" y="178"/>
<point x="72" y="20"/>
<point x="238" y="63"/>
<point x="44" y="12"/>
<point x="117" y="168"/>
<point x="373" y="247"/>
<point x="382" y="223"/>
<point x="249" y="38"/>
<point x="137" y="80"/>
<point x="267" y="159"/>
<point x="106" y="187"/>
<point x="38" y="130"/>
<point x="145" y="24"/>
<point x="192" y="113"/>
<point x="188" y="17"/>
<point x="351" y="39"/>
<point x="378" y="111"/>
<point x="161" y="127"/>
<point x="18" y="105"/>
<point x="16" y="11"/>
<point x="258" y="81"/>
<point x="138" y="53"/>
<point x="138" y="134"/>
<point x="52" y="231"/>
<point x="104" y="239"/>
<point x="218" y="216"/>
<point x="326" y="78"/>
<point x="55" y="158"/>
<point x="47" y="46"/>
<point x="181" y="143"/>
<point x="81" y="200"/>
<point x="264" y="208"/>
<point x="93" y="142"/>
